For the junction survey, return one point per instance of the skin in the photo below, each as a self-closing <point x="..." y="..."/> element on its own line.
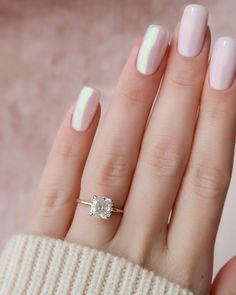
<point x="167" y="162"/>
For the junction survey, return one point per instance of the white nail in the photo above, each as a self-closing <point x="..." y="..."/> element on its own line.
<point x="85" y="108"/>
<point x="152" y="49"/>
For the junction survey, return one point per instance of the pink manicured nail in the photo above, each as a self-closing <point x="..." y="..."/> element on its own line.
<point x="85" y="108"/>
<point x="192" y="30"/>
<point x="223" y="63"/>
<point x="152" y="49"/>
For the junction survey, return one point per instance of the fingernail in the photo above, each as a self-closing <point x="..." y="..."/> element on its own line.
<point x="85" y="108"/>
<point x="223" y="63"/>
<point x="192" y="30"/>
<point x="152" y="49"/>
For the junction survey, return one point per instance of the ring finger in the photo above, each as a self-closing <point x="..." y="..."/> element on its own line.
<point x="113" y="157"/>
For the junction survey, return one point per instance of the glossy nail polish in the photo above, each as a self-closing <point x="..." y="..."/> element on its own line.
<point x="223" y="63"/>
<point x="85" y="108"/>
<point x="152" y="49"/>
<point x="192" y="30"/>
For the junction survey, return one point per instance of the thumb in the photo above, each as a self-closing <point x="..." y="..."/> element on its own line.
<point x="225" y="281"/>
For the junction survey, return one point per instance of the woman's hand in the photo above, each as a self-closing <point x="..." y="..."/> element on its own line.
<point x="174" y="156"/>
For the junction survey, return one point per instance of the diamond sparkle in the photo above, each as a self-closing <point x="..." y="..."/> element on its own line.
<point x="101" y="207"/>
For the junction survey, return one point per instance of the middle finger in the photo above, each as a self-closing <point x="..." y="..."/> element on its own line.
<point x="167" y="141"/>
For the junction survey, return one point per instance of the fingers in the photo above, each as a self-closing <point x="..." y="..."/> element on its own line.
<point x="207" y="177"/>
<point x="55" y="200"/>
<point x="113" y="157"/>
<point x="225" y="283"/>
<point x="166" y="144"/>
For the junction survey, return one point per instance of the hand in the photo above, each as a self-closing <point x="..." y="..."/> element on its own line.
<point x="175" y="157"/>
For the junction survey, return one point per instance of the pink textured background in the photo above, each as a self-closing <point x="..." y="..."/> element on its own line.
<point x="48" y="50"/>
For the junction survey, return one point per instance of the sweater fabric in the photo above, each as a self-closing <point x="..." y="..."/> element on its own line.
<point x="32" y="265"/>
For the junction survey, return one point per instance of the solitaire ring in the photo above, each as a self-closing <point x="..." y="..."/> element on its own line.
<point x="101" y="207"/>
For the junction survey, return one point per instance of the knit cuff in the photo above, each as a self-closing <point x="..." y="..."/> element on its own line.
<point x="31" y="264"/>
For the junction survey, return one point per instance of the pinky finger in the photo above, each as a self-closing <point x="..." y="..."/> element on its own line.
<point x="55" y="202"/>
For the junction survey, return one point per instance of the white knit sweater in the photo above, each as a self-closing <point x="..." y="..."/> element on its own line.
<point x="31" y="264"/>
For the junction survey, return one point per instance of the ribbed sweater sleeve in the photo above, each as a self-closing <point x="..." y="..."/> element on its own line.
<point x="31" y="265"/>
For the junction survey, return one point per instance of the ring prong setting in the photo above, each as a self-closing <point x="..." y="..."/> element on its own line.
<point x="101" y="207"/>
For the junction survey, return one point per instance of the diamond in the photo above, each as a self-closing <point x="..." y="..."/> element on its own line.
<point x="101" y="207"/>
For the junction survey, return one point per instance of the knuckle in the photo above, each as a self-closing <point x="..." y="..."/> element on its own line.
<point x="165" y="158"/>
<point x="132" y="97"/>
<point x="54" y="200"/>
<point x="187" y="77"/>
<point x="183" y="81"/>
<point x="209" y="181"/>
<point x="217" y="109"/>
<point x="66" y="150"/>
<point x="112" y="168"/>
